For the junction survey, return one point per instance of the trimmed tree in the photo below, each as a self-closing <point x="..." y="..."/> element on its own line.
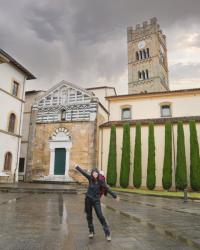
<point x="112" y="162"/>
<point x="137" y="169"/>
<point x="181" y="169"/>
<point x="151" y="165"/>
<point x="167" y="164"/>
<point x="125" y="161"/>
<point x="194" y="158"/>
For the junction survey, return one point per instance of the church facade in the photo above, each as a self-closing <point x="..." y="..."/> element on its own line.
<point x="64" y="123"/>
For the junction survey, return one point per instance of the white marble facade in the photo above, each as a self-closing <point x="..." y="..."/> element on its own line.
<point x="66" y="102"/>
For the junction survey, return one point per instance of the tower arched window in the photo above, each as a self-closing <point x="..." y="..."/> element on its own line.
<point x="143" y="75"/>
<point x="139" y="75"/>
<point x="147" y="74"/>
<point x="144" y="54"/>
<point x="141" y="57"/>
<point x="11" y="126"/>
<point x="147" y="53"/>
<point x="63" y="115"/>
<point x="137" y="55"/>
<point x="8" y="161"/>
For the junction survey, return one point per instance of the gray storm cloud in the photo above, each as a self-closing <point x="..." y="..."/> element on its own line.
<point x="84" y="41"/>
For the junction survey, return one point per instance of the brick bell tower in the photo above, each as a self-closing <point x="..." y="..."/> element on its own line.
<point x="147" y="58"/>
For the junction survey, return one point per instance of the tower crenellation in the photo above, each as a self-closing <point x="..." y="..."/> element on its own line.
<point x="147" y="58"/>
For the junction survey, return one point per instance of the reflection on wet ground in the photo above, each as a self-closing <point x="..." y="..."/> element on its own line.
<point x="57" y="221"/>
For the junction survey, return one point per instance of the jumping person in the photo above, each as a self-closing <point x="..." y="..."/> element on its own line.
<point x="92" y="200"/>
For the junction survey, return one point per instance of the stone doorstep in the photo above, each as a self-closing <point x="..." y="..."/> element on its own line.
<point x="159" y="228"/>
<point x="59" y="182"/>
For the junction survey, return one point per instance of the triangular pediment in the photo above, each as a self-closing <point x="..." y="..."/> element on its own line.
<point x="65" y="93"/>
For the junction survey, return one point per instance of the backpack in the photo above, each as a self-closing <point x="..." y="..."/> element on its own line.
<point x="103" y="191"/>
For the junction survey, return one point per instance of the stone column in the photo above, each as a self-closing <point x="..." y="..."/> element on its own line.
<point x="52" y="160"/>
<point x="67" y="163"/>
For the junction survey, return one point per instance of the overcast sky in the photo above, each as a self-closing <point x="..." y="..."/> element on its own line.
<point x="84" y="41"/>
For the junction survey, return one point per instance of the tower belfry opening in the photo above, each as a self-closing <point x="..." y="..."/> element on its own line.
<point x="147" y="58"/>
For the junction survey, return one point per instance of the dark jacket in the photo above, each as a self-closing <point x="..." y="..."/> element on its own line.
<point x="94" y="188"/>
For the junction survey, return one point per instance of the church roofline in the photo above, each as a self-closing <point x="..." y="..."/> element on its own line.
<point x="100" y="104"/>
<point x="155" y="94"/>
<point x="29" y="92"/>
<point x="67" y="83"/>
<point x="102" y="87"/>
<point x="10" y="59"/>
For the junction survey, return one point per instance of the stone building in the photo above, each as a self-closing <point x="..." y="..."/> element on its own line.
<point x="147" y="58"/>
<point x="63" y="131"/>
<point x="13" y="78"/>
<point x="157" y="107"/>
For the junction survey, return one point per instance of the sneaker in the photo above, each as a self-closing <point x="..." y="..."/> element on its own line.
<point x="108" y="237"/>
<point x="91" y="235"/>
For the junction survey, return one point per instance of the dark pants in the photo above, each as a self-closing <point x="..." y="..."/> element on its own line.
<point x="89" y="203"/>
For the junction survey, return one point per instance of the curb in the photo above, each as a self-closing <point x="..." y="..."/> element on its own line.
<point x="160" y="229"/>
<point x="157" y="195"/>
<point x="31" y="190"/>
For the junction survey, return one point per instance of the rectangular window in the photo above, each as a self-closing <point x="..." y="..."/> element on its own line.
<point x="165" y="111"/>
<point x="126" y="114"/>
<point x="15" y="88"/>
<point x="21" y="165"/>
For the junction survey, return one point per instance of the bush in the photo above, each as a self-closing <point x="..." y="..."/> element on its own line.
<point x="151" y="165"/>
<point x="194" y="158"/>
<point x="137" y="172"/>
<point x="181" y="169"/>
<point x="125" y="161"/>
<point x="112" y="163"/>
<point x="167" y="164"/>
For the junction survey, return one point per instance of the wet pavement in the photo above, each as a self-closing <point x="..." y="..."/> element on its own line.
<point x="57" y="221"/>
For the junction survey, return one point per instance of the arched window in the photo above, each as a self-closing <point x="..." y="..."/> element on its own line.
<point x="8" y="161"/>
<point x="137" y="55"/>
<point x="147" y="52"/>
<point x="139" y="75"/>
<point x="147" y="74"/>
<point x="11" y="126"/>
<point x="144" y="54"/>
<point x="141" y="55"/>
<point x="143" y="75"/>
<point x="63" y="115"/>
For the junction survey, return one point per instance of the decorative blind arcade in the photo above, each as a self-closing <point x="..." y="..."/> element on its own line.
<point x="78" y="106"/>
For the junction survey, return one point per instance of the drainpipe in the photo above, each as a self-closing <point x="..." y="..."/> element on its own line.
<point x="28" y="144"/>
<point x="101" y="148"/>
<point x="20" y="129"/>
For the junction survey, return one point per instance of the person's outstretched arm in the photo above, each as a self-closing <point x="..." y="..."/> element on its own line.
<point x="83" y="172"/>
<point x="109" y="190"/>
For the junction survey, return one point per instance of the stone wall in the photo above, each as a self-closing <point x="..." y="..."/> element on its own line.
<point x="83" y="151"/>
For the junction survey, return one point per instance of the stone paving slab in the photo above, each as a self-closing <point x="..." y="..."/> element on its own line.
<point x="126" y="234"/>
<point x="57" y="221"/>
<point x="185" y="226"/>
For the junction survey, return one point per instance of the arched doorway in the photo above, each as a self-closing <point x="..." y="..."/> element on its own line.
<point x="60" y="144"/>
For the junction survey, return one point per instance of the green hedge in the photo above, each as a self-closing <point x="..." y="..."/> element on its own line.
<point x="167" y="164"/>
<point x="181" y="169"/>
<point x="137" y="168"/>
<point x="125" y="160"/>
<point x="151" y="166"/>
<point x="112" y="161"/>
<point x="194" y="158"/>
